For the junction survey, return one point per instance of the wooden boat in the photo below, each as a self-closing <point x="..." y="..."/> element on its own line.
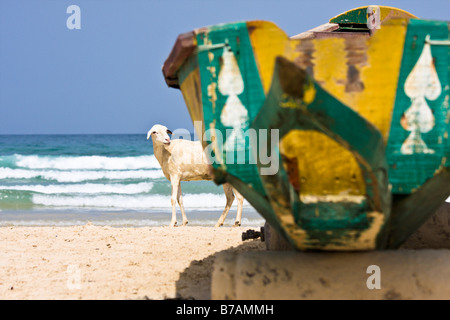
<point x="361" y="108"/>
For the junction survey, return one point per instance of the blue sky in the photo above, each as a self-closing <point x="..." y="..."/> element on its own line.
<point x="106" y="77"/>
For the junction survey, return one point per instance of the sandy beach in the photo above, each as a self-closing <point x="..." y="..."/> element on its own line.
<point x="103" y="262"/>
<point x="95" y="262"/>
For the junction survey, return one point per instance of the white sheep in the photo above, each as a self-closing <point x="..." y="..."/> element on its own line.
<point x="184" y="160"/>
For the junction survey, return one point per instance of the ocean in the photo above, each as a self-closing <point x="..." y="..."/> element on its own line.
<point x="107" y="180"/>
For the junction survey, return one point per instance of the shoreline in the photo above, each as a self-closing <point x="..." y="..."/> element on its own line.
<point x="123" y="218"/>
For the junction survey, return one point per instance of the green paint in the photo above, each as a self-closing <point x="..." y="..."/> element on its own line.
<point x="356" y="16"/>
<point x="409" y="172"/>
<point x="323" y="217"/>
<point x="211" y="43"/>
<point x="336" y="220"/>
<point x="410" y="213"/>
<point x="330" y="223"/>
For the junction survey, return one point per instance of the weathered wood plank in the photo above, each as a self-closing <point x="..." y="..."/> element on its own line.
<point x="409" y="213"/>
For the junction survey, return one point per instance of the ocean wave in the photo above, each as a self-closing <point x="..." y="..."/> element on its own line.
<point x="91" y="188"/>
<point x="202" y="201"/>
<point x="79" y="175"/>
<point x="85" y="162"/>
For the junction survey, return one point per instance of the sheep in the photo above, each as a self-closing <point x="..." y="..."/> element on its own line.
<point x="184" y="160"/>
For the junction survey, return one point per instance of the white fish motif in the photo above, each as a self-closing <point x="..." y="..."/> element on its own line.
<point x="423" y="82"/>
<point x="230" y="83"/>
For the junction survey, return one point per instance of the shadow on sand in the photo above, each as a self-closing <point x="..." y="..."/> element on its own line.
<point x="195" y="280"/>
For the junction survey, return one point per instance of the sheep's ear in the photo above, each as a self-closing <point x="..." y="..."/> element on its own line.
<point x="169" y="132"/>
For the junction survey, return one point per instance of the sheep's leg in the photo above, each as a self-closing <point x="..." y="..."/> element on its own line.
<point x="230" y="198"/>
<point x="175" y="182"/>
<point x="240" y="204"/>
<point x="180" y="203"/>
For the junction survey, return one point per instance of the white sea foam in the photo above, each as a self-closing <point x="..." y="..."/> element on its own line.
<point x="79" y="175"/>
<point x="86" y="162"/>
<point x="202" y="201"/>
<point x="113" y="187"/>
<point x="91" y="188"/>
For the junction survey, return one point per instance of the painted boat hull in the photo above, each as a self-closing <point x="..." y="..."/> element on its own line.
<point x="339" y="143"/>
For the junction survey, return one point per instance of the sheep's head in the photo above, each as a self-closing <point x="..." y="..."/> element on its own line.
<point x="159" y="134"/>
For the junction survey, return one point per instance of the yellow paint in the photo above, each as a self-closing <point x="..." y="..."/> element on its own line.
<point x="358" y="240"/>
<point x="385" y="12"/>
<point x="268" y="41"/>
<point x="324" y="166"/>
<point x="190" y="96"/>
<point x="289" y="103"/>
<point x="391" y="12"/>
<point x="379" y="73"/>
<point x="330" y="65"/>
<point x="210" y="54"/>
<point x="212" y="94"/>
<point x="212" y="70"/>
<point x="215" y="144"/>
<point x="309" y="93"/>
